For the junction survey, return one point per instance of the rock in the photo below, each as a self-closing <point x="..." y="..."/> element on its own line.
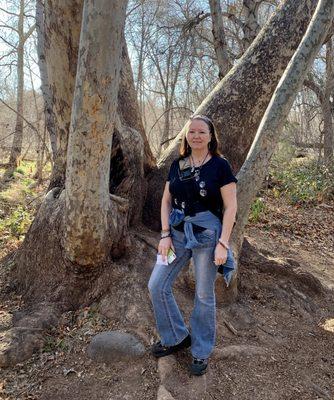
<point x="112" y="346"/>
<point x="18" y="345"/>
<point x="163" y="394"/>
<point x="166" y="367"/>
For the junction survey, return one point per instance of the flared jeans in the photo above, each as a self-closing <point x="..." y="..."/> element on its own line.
<point x="169" y="320"/>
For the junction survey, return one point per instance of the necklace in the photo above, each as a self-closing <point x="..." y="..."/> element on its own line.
<point x="197" y="171"/>
<point x="193" y="162"/>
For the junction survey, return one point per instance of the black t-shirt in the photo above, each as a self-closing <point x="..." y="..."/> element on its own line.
<point x="201" y="193"/>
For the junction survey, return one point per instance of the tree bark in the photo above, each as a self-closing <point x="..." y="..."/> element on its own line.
<point x="62" y="33"/>
<point x="18" y="134"/>
<point x="62" y="29"/>
<point x="254" y="169"/>
<point x="219" y="40"/>
<point x="48" y="111"/>
<point x="128" y="109"/>
<point x="251" y="26"/>
<point x="327" y="105"/>
<point x="131" y="156"/>
<point x="239" y="101"/>
<point x="87" y="200"/>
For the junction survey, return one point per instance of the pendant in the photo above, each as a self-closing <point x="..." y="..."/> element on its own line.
<point x="203" y="192"/>
<point x="202" y="184"/>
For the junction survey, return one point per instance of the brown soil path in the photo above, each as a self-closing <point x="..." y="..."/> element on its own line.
<point x="276" y="342"/>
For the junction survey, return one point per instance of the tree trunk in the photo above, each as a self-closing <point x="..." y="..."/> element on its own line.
<point x="41" y="144"/>
<point x="62" y="29"/>
<point x="48" y="111"/>
<point x="239" y="101"/>
<point x="62" y="33"/>
<point x="327" y="105"/>
<point x="18" y="133"/>
<point x="87" y="200"/>
<point x="128" y="108"/>
<point x="256" y="165"/>
<point x="251" y="25"/>
<point x="131" y="156"/>
<point x="219" y="40"/>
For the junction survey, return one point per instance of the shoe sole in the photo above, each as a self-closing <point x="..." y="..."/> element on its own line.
<point x="157" y="355"/>
<point x="168" y="353"/>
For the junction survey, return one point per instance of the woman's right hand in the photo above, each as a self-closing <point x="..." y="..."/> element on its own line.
<point x="164" y="245"/>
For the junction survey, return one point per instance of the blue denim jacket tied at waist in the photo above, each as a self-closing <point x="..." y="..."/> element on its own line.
<point x="204" y="219"/>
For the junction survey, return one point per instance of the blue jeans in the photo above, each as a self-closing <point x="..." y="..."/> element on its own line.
<point x="170" y="323"/>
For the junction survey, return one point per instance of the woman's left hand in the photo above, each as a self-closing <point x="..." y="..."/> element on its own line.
<point x="220" y="255"/>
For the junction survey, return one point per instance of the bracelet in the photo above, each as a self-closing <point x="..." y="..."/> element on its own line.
<point x="227" y="247"/>
<point x="165" y="235"/>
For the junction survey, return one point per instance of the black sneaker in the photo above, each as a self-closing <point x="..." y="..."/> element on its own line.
<point x="158" y="350"/>
<point x="198" y="366"/>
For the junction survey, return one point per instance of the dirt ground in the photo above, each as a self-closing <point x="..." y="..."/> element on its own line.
<point x="276" y="342"/>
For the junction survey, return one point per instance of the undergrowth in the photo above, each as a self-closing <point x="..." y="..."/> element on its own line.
<point x="304" y="182"/>
<point x="18" y="204"/>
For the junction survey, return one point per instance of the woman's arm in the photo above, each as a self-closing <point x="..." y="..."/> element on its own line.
<point x="229" y="195"/>
<point x="166" y="206"/>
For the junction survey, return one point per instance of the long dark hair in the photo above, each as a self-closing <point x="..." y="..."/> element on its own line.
<point x="185" y="149"/>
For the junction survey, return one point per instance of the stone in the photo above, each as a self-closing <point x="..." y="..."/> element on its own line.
<point x="166" y="367"/>
<point x="112" y="346"/>
<point x="163" y="394"/>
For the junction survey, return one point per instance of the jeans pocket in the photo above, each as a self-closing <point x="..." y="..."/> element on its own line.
<point x="206" y="237"/>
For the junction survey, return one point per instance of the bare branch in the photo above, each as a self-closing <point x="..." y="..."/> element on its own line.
<point x="309" y="83"/>
<point x="9" y="12"/>
<point x="24" y="119"/>
<point x="29" y="32"/>
<point x="7" y="55"/>
<point x="9" y="27"/>
<point x="9" y="44"/>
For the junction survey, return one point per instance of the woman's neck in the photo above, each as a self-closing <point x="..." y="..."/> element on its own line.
<point x="199" y="155"/>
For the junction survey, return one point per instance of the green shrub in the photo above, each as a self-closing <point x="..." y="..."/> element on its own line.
<point x="303" y="181"/>
<point x="257" y="208"/>
<point x="52" y="344"/>
<point x="17" y="223"/>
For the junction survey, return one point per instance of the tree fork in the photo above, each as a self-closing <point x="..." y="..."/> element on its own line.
<point x="239" y="101"/>
<point x="87" y="200"/>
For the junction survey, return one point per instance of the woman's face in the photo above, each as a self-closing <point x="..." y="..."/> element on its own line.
<point x="198" y="135"/>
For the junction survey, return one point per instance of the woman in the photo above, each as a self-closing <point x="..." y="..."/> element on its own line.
<point x="198" y="211"/>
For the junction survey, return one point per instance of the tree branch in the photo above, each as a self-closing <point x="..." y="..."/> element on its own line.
<point x="9" y="44"/>
<point x="9" y="12"/>
<point x="29" y="32"/>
